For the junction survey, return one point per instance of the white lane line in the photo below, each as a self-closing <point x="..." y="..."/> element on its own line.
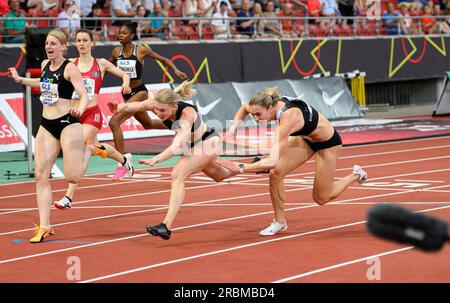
<point x="265" y="178"/>
<point x="151" y="170"/>
<point x="429" y="181"/>
<point x="246" y="204"/>
<point x="207" y="201"/>
<point x="313" y="272"/>
<point x="357" y="260"/>
<point x="193" y="226"/>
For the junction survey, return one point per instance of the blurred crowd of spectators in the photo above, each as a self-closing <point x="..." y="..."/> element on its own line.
<point x="325" y="17"/>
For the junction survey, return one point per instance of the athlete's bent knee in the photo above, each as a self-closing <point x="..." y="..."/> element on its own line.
<point x="275" y="174"/>
<point x="41" y="176"/>
<point x="178" y="176"/>
<point x="321" y="199"/>
<point x="73" y="178"/>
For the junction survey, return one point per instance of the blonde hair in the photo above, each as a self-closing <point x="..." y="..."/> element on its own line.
<point x="267" y="98"/>
<point x="60" y="35"/>
<point x="172" y="97"/>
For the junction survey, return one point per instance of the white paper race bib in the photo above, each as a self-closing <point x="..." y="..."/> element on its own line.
<point x="49" y="93"/>
<point x="89" y="84"/>
<point x="128" y="66"/>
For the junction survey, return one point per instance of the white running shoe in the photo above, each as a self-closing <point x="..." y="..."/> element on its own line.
<point x="63" y="204"/>
<point x="129" y="165"/>
<point x="362" y="174"/>
<point x="273" y="228"/>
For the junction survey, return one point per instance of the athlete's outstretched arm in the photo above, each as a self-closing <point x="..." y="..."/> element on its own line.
<point x="111" y="68"/>
<point x="179" y="141"/>
<point x="131" y="107"/>
<point x="149" y="52"/>
<point x="279" y="144"/>
<point x="239" y="117"/>
<point x="33" y="82"/>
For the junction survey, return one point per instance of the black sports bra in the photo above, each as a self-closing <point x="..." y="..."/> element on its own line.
<point x="181" y="106"/>
<point x="131" y="65"/>
<point x="310" y="115"/>
<point x="54" y="85"/>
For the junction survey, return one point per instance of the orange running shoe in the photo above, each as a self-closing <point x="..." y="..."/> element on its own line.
<point x="99" y="150"/>
<point x="40" y="233"/>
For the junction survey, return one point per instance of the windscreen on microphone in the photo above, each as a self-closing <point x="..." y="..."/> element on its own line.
<point x="402" y="225"/>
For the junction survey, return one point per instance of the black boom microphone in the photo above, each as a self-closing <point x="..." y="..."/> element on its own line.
<point x="402" y="225"/>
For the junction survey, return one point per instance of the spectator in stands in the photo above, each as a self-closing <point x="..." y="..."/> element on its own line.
<point x="329" y="9"/>
<point x="246" y="25"/>
<point x="46" y="5"/>
<point x="121" y="8"/>
<point x="167" y="6"/>
<point x="25" y="5"/>
<point x="220" y="24"/>
<point x="442" y="24"/>
<point x="14" y="29"/>
<point x="86" y="6"/>
<point x="314" y="10"/>
<point x="208" y="7"/>
<point x="191" y="10"/>
<point x="447" y="8"/>
<point x="68" y="19"/>
<point x="429" y="25"/>
<point x="135" y="4"/>
<point x="437" y="10"/>
<point x="275" y="2"/>
<point x="143" y="24"/>
<point x="415" y="8"/>
<point x="272" y="27"/>
<point x="158" y="26"/>
<point x="288" y="27"/>
<point x="4" y="7"/>
<point x="260" y="24"/>
<point x="347" y="9"/>
<point x="391" y="20"/>
<point x="230" y="10"/>
<point x="95" y="25"/>
<point x="405" y="21"/>
<point x="149" y="4"/>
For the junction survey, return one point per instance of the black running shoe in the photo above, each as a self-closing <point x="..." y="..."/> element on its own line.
<point x="256" y="159"/>
<point x="159" y="230"/>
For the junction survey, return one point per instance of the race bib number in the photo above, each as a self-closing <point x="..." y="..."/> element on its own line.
<point x="128" y="66"/>
<point x="89" y="84"/>
<point x="49" y="93"/>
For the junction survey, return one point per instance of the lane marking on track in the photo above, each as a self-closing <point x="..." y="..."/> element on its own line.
<point x="202" y="202"/>
<point x="428" y="181"/>
<point x="264" y="178"/>
<point x="247" y="204"/>
<point x="150" y="170"/>
<point x="194" y="226"/>
<point x="240" y="247"/>
<point x="309" y="273"/>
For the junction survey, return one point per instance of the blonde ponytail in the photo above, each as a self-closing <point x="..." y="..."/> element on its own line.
<point x="172" y="97"/>
<point x="185" y="90"/>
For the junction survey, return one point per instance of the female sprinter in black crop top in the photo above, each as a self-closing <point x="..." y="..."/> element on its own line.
<point x="310" y="134"/>
<point x="198" y="144"/>
<point x="130" y="58"/>
<point x="60" y="126"/>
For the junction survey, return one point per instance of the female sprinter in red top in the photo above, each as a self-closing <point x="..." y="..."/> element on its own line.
<point x="302" y="133"/>
<point x="93" y="71"/>
<point x="60" y="126"/>
<point x="130" y="57"/>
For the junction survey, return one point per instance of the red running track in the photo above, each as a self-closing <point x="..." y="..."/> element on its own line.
<point x="216" y="239"/>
